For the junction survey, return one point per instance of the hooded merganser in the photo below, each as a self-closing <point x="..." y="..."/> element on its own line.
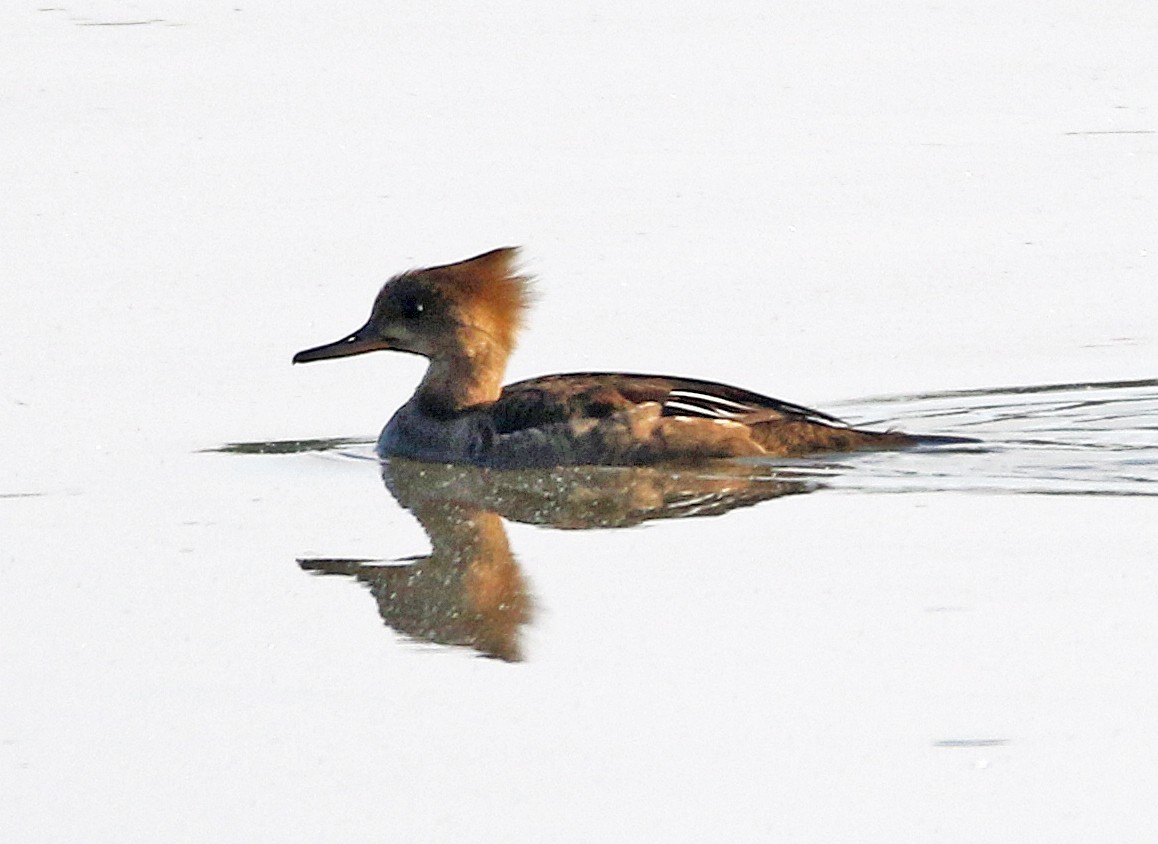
<point x="464" y="318"/>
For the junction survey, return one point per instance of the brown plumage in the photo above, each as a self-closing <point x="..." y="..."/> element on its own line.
<point x="465" y="318"/>
<point x="485" y="293"/>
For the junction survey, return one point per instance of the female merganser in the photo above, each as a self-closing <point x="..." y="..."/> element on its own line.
<point x="464" y="318"/>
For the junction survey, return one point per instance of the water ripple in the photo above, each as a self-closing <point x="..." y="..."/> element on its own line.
<point x="1059" y="439"/>
<point x="1055" y="439"/>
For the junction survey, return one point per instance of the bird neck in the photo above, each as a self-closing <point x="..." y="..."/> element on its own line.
<point x="468" y="376"/>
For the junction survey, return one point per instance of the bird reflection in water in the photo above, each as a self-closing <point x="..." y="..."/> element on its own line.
<point x="469" y="591"/>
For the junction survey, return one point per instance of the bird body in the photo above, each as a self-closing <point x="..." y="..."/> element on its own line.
<point x="464" y="318"/>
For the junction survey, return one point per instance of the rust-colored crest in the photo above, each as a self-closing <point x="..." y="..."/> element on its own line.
<point x="488" y="292"/>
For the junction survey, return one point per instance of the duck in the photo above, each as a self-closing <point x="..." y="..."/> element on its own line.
<point x="465" y="317"/>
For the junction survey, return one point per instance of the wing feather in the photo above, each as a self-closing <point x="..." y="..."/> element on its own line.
<point x="559" y="398"/>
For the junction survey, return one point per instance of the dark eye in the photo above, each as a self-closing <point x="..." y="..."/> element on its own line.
<point x="412" y="307"/>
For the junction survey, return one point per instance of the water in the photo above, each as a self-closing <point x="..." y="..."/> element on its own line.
<point x="822" y="200"/>
<point x="469" y="591"/>
<point x="1058" y="439"/>
<point x="1095" y="438"/>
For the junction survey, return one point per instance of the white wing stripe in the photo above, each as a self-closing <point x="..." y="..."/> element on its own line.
<point x="696" y="410"/>
<point x="707" y="398"/>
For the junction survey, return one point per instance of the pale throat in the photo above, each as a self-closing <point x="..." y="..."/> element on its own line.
<point x="467" y="375"/>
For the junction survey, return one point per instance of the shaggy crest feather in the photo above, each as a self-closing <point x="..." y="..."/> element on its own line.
<point x="488" y="293"/>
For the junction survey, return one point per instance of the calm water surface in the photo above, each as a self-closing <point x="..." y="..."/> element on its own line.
<point x="295" y="643"/>
<point x="1062" y="439"/>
